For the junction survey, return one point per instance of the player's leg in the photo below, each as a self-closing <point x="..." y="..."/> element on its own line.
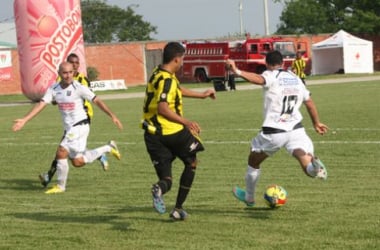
<point x="185" y="145"/>
<point x="186" y="181"/>
<point x="62" y="171"/>
<point x="253" y="173"/>
<point x="79" y="153"/>
<point x="251" y="178"/>
<point x="100" y="154"/>
<point x="161" y="158"/>
<point x="45" y="178"/>
<point x="301" y="147"/>
<point x="262" y="146"/>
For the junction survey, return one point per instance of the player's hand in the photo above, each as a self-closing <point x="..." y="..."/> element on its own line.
<point x="321" y="128"/>
<point x="18" y="124"/>
<point x="210" y="93"/>
<point x="117" y="122"/>
<point x="194" y="128"/>
<point x="231" y="65"/>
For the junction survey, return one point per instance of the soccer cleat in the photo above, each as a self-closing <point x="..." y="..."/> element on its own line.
<point x="55" y="190"/>
<point x="44" y="179"/>
<point x="114" y="150"/>
<point x="178" y="214"/>
<point x="240" y="195"/>
<point x="320" y="168"/>
<point x="104" y="162"/>
<point x="158" y="201"/>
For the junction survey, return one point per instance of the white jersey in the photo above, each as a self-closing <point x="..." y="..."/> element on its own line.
<point x="70" y="102"/>
<point x="284" y="94"/>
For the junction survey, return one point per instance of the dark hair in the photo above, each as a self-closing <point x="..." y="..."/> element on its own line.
<point x="273" y="58"/>
<point x="171" y="51"/>
<point x="72" y="55"/>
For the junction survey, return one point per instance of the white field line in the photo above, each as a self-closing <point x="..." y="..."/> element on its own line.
<point x="315" y="142"/>
<point x="92" y="144"/>
<point x="14" y="141"/>
<point x="331" y="129"/>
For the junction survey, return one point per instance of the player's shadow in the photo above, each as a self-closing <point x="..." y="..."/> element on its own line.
<point x="114" y="220"/>
<point x="262" y="213"/>
<point x="149" y="214"/>
<point x="20" y="184"/>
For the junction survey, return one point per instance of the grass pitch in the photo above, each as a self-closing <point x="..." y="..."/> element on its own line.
<point x="113" y="210"/>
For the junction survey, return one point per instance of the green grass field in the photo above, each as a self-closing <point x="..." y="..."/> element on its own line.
<point x="113" y="210"/>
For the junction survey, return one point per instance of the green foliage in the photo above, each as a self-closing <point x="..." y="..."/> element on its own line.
<point x="92" y="73"/>
<point x="326" y="16"/>
<point x="113" y="210"/>
<point x="104" y="23"/>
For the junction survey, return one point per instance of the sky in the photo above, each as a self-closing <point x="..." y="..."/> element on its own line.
<point x="193" y="19"/>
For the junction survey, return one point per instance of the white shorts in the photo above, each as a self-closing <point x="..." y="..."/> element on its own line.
<point x="75" y="140"/>
<point x="271" y="143"/>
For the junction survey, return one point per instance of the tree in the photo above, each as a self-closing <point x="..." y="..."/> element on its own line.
<point x="104" y="23"/>
<point x="326" y="16"/>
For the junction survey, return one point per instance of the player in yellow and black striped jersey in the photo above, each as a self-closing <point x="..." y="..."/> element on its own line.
<point x="298" y="66"/>
<point x="168" y="134"/>
<point x="162" y="86"/>
<point x="82" y="79"/>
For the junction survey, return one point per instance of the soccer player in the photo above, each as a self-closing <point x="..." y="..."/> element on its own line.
<point x="73" y="58"/>
<point x="298" y="66"/>
<point x="69" y="96"/>
<point x="284" y="94"/>
<point x="168" y="134"/>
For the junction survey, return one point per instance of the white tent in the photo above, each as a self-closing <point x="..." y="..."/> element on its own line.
<point x="342" y="52"/>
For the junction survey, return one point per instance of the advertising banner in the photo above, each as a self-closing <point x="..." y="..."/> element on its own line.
<point x="108" y="85"/>
<point x="5" y="65"/>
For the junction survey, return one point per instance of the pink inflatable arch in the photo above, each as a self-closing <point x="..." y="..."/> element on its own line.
<point x="47" y="31"/>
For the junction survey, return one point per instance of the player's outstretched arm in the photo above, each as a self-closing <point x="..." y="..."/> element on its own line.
<point x="249" y="76"/>
<point x="195" y="94"/>
<point x="108" y="111"/>
<point x="319" y="127"/>
<point x="19" y="123"/>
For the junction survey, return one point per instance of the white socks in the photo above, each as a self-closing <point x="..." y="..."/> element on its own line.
<point x="91" y="155"/>
<point x="62" y="173"/>
<point x="251" y="178"/>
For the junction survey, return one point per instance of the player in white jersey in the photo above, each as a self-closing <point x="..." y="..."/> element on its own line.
<point x="284" y="93"/>
<point x="69" y="96"/>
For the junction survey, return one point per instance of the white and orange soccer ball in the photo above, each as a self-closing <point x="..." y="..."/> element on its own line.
<point x="275" y="196"/>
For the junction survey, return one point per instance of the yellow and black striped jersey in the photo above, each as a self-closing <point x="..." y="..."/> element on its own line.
<point x="298" y="65"/>
<point x="163" y="86"/>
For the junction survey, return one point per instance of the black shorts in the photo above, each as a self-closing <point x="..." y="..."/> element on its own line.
<point x="163" y="149"/>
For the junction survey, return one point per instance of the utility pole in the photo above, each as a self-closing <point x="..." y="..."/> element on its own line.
<point x="266" y="19"/>
<point x="241" y="17"/>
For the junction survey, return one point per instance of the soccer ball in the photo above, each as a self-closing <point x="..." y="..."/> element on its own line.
<point x="275" y="196"/>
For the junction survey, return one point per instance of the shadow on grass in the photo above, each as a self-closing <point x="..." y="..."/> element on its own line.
<point x="262" y="213"/>
<point x="20" y="184"/>
<point x="151" y="214"/>
<point x="79" y="219"/>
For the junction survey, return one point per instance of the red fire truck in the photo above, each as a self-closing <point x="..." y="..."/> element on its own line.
<point x="205" y="60"/>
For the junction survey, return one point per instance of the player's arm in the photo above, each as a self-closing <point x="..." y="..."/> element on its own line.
<point x="249" y="76"/>
<point x="19" y="123"/>
<point x="195" y="94"/>
<point x="108" y="111"/>
<point x="164" y="110"/>
<point x="313" y="113"/>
